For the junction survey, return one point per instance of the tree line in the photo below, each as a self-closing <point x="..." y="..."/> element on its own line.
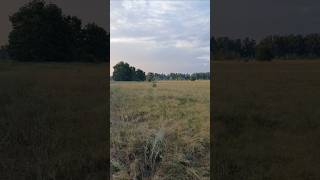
<point x="270" y="47"/>
<point x="122" y="71"/>
<point x="3" y="53"/>
<point x="178" y="76"/>
<point x="41" y="32"/>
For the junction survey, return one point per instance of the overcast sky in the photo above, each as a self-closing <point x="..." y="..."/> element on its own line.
<point x="161" y="36"/>
<point x="258" y="18"/>
<point x="88" y="11"/>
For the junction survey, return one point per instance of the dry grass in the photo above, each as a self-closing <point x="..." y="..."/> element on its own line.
<point x="160" y="132"/>
<point x="53" y="121"/>
<point x="266" y="120"/>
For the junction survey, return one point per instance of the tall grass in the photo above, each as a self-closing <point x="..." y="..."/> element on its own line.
<point x="53" y="121"/>
<point x="266" y="120"/>
<point x="160" y="132"/>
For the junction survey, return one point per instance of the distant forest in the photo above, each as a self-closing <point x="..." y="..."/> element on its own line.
<point x="41" y="32"/>
<point x="271" y="47"/>
<point x="122" y="71"/>
<point x="179" y="76"/>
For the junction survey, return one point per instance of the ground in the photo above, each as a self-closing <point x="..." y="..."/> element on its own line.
<point x="160" y="130"/>
<point x="266" y="120"/>
<point x="53" y="121"/>
<point x="265" y="123"/>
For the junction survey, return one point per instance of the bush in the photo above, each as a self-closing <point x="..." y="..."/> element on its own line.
<point x="154" y="84"/>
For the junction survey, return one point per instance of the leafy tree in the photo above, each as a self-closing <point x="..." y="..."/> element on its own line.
<point x="75" y="37"/>
<point x="140" y="75"/>
<point x="122" y="72"/>
<point x="248" y="48"/>
<point x="133" y="74"/>
<point x="95" y="42"/>
<point x="150" y="77"/>
<point x="4" y="52"/>
<point x="41" y="32"/>
<point x="264" y="53"/>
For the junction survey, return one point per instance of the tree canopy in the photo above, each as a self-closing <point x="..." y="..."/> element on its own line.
<point x="41" y="32"/>
<point x="124" y="72"/>
<point x="3" y="53"/>
<point x="178" y="76"/>
<point x="270" y="47"/>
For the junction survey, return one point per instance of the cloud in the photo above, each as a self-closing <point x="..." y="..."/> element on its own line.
<point x="206" y="58"/>
<point x="146" y="31"/>
<point x="132" y="40"/>
<point x="184" y="44"/>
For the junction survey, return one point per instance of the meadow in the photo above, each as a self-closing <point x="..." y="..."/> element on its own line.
<point x="160" y="130"/>
<point x="266" y="120"/>
<point x="53" y="121"/>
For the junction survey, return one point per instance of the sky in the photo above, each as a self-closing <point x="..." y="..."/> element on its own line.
<point x="161" y="36"/>
<point x="89" y="11"/>
<point x="259" y="18"/>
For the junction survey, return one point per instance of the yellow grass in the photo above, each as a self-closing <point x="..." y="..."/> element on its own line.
<point x="174" y="115"/>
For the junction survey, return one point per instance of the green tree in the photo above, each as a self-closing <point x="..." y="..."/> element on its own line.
<point x="4" y="53"/>
<point x="265" y="49"/>
<point x="264" y="53"/>
<point x="95" y="43"/>
<point x="133" y="74"/>
<point x="75" y="37"/>
<point x="140" y="75"/>
<point x="41" y="32"/>
<point x="150" y="77"/>
<point x="248" y="48"/>
<point x="122" y="72"/>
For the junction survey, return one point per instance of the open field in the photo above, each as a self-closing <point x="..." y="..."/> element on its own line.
<point x="160" y="132"/>
<point x="266" y="120"/>
<point x="53" y="121"/>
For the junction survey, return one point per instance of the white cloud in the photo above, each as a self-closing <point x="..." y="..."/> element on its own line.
<point x="184" y="44"/>
<point x="146" y="31"/>
<point x="131" y="40"/>
<point x="205" y="57"/>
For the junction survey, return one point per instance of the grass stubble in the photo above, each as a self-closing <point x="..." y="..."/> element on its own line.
<point x="160" y="132"/>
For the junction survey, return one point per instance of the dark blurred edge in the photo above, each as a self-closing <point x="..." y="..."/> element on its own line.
<point x="26" y="140"/>
<point x="211" y="90"/>
<point x="108" y="92"/>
